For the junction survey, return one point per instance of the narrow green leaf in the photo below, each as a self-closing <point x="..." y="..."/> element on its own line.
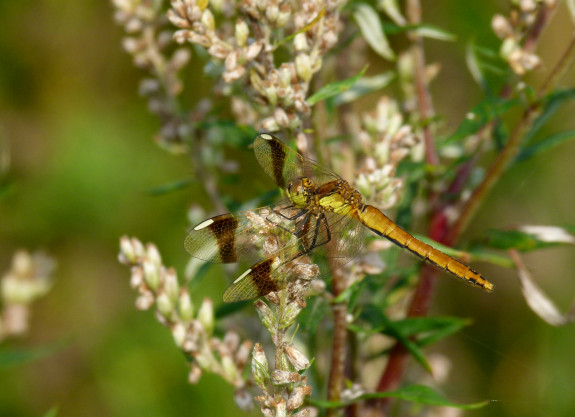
<point x="546" y="144"/>
<point x="514" y="239"/>
<point x="419" y="394"/>
<point x="434" y="32"/>
<point x="379" y="322"/>
<point x="363" y="86"/>
<point x="16" y="357"/>
<point x="391" y="8"/>
<point x="335" y="88"/>
<point x="304" y="29"/>
<point x="169" y="187"/>
<point x="312" y="316"/>
<point x="484" y="112"/>
<point x="551" y="103"/>
<point x="370" y="25"/>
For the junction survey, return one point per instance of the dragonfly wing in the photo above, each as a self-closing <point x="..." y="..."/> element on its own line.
<point x="257" y="281"/>
<point x="237" y="237"/>
<point x="283" y="164"/>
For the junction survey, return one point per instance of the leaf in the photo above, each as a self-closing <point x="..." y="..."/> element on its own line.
<point x="419" y="394"/>
<point x="169" y="187"/>
<point x="391" y="8"/>
<point x="433" y="32"/>
<point x="551" y="103"/>
<point x="549" y="142"/>
<point x="516" y="239"/>
<point x="363" y="86"/>
<point x="379" y="322"/>
<point x="16" y="357"/>
<point x="551" y="234"/>
<point x="335" y="88"/>
<point x="312" y="316"/>
<point x="302" y="30"/>
<point x="370" y="25"/>
<point x="536" y="299"/>
<point x="484" y="112"/>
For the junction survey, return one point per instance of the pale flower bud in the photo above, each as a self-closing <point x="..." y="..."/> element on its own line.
<point x="206" y="315"/>
<point x="260" y="370"/>
<point x="297" y="397"/>
<point x="208" y="20"/>
<point x="303" y="67"/>
<point x="195" y="374"/>
<point x="242" y="33"/>
<point x="297" y="359"/>
<point x="185" y="307"/>
<point x="267" y="317"/>
<point x="179" y="332"/>
<point x="151" y="275"/>
<point x="300" y="42"/>
<point x="164" y="304"/>
<point x="501" y="27"/>
<point x="280" y="377"/>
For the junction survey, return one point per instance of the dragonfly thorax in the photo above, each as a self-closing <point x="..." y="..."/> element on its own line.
<point x="301" y="191"/>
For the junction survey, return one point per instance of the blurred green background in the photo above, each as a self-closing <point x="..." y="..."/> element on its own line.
<point x="83" y="158"/>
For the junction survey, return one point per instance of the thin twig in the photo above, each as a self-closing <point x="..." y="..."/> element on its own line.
<point x="513" y="145"/>
<point x="423" y="96"/>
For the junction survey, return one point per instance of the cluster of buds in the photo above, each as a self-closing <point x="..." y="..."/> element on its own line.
<point x="514" y="30"/>
<point x="193" y="331"/>
<point x="28" y="279"/>
<point x="147" y="40"/>
<point x="247" y="50"/>
<point x="284" y="389"/>
<point x="386" y="140"/>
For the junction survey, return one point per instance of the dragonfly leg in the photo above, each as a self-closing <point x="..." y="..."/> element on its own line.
<point x="301" y="213"/>
<point x="295" y="216"/>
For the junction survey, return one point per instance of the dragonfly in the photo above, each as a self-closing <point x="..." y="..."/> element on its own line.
<point x="321" y="213"/>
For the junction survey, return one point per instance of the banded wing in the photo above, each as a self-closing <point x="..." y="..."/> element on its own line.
<point x="283" y="164"/>
<point x="238" y="237"/>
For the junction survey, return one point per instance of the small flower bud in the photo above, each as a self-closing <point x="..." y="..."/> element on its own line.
<point x="267" y="317"/>
<point x="171" y="286"/>
<point x="206" y="315"/>
<point x="281" y="408"/>
<point x="127" y="249"/>
<point x="208" y="20"/>
<point x="185" y="307"/>
<point x="153" y="254"/>
<point x="290" y="315"/>
<point x="253" y="50"/>
<point x="260" y="370"/>
<point x="501" y="27"/>
<point x="151" y="275"/>
<point x="243" y="353"/>
<point x="300" y="42"/>
<point x="164" y="304"/>
<point x="297" y="359"/>
<point x="303" y="67"/>
<point x="280" y="377"/>
<point x="297" y="397"/>
<point x="195" y="374"/>
<point x="137" y="277"/>
<point x="243" y="399"/>
<point x="242" y="33"/>
<point x="306" y="412"/>
<point x="179" y="333"/>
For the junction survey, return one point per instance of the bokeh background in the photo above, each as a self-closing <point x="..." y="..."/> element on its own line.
<point x="83" y="161"/>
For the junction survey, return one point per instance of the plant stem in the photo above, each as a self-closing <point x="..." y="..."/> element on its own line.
<point x="337" y="366"/>
<point x="423" y="96"/>
<point x="511" y="149"/>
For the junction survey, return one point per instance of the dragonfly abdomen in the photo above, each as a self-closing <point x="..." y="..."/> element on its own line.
<point x="380" y="224"/>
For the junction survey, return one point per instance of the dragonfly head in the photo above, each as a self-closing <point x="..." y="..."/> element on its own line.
<point x="300" y="191"/>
